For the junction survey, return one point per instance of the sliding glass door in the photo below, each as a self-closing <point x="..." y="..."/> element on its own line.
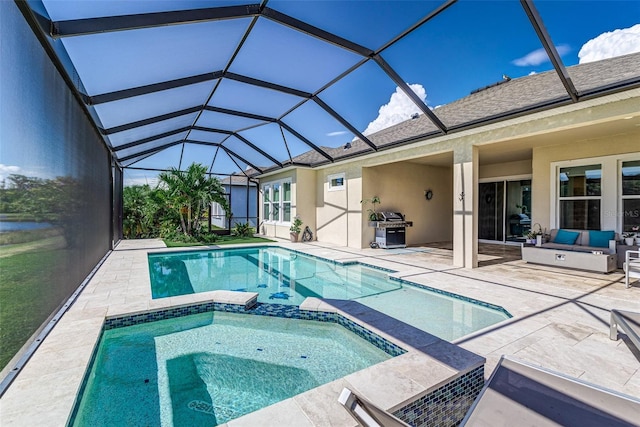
<point x="504" y="210"/>
<point x="491" y="209"/>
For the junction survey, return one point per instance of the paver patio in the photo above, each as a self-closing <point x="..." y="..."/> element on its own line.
<point x="560" y="319"/>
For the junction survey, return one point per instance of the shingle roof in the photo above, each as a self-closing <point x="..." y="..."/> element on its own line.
<point x="514" y="96"/>
<point x="498" y="100"/>
<point x="236" y="180"/>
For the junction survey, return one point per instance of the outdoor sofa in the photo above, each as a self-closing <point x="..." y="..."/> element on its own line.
<point x="592" y="250"/>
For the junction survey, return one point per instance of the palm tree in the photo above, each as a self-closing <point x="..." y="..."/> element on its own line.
<point x="190" y="192"/>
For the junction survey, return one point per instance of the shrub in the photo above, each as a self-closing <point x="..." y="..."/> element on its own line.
<point x="242" y="230"/>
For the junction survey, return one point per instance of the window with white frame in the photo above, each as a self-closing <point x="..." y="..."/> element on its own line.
<point x="336" y="181"/>
<point x="276" y="201"/>
<point x="580" y="196"/>
<point x="630" y="186"/>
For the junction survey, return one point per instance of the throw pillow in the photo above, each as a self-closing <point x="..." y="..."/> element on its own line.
<point x="601" y="239"/>
<point x="566" y="237"/>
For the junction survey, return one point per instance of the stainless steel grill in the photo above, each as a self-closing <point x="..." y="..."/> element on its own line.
<point x="391" y="229"/>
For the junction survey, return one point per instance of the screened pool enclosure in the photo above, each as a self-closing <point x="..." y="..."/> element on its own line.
<point x="97" y="95"/>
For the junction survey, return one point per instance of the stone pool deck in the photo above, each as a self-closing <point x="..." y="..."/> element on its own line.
<point x="561" y="322"/>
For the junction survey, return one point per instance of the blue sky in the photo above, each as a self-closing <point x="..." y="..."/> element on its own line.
<point x="470" y="45"/>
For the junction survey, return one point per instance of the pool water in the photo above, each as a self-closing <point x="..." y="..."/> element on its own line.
<point x="207" y="369"/>
<point x="287" y="277"/>
<point x="276" y="274"/>
<point x="444" y="316"/>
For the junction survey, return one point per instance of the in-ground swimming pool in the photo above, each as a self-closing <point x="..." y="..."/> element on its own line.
<point x="277" y="275"/>
<point x="206" y="369"/>
<point x="287" y="277"/>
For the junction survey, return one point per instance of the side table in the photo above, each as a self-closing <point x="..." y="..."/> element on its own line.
<point x="621" y="250"/>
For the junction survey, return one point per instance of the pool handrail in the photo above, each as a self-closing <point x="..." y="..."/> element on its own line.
<point x="366" y="413"/>
<point x="629" y="321"/>
<point x="533" y="395"/>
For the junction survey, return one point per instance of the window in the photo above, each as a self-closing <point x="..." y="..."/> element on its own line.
<point x="266" y="202"/>
<point x="276" y="201"/>
<point x="336" y="182"/>
<point x="275" y="206"/>
<point x="630" y="195"/>
<point x="580" y="197"/>
<point x="286" y="201"/>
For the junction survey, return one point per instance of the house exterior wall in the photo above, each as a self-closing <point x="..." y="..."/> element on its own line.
<point x="506" y="169"/>
<point x="305" y="195"/>
<point x="338" y="211"/>
<point x="401" y="187"/>
<point x="399" y="175"/>
<point x="605" y="149"/>
<point x="268" y="228"/>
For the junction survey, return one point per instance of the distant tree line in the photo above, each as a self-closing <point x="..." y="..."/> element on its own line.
<point x="174" y="209"/>
<point x="59" y="201"/>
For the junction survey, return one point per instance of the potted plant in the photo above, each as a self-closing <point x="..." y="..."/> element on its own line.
<point x="536" y="235"/>
<point x="628" y="238"/>
<point x="372" y="214"/>
<point x="294" y="230"/>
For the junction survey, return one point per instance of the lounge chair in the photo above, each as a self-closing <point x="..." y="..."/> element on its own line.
<point x="631" y="266"/>
<point x="366" y="413"/>
<point x="525" y="395"/>
<point x="629" y="321"/>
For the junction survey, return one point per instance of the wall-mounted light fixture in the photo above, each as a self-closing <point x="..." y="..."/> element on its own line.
<point x="428" y="194"/>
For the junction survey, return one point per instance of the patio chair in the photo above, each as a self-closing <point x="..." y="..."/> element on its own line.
<point x="629" y="321"/>
<point x="366" y="413"/>
<point x="521" y="394"/>
<point x="631" y="266"/>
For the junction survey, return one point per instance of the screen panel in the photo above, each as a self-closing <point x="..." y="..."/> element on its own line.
<point x="56" y="170"/>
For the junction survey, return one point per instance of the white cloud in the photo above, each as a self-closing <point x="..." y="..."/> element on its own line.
<point x="151" y="181"/>
<point x="6" y="170"/>
<point x="539" y="56"/>
<point x="399" y="109"/>
<point x="610" y="44"/>
<point x="531" y="73"/>
<point x="338" y="133"/>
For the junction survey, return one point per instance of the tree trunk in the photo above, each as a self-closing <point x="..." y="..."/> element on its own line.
<point x="182" y="224"/>
<point x="189" y="219"/>
<point x="196" y="218"/>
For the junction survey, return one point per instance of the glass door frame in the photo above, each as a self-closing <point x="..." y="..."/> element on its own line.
<point x="504" y="180"/>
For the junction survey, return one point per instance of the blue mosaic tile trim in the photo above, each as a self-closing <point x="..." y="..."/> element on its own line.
<point x="375" y="339"/>
<point x="452" y="295"/>
<point x="260" y="309"/>
<point x="152" y="316"/>
<point x="447" y="405"/>
<point x="195" y="251"/>
<point x="293" y="312"/>
<point x="375" y="267"/>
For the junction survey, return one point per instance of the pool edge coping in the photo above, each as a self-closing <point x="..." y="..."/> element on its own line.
<point x="324" y="306"/>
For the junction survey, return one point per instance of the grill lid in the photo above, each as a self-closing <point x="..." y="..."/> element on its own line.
<point x="391" y="216"/>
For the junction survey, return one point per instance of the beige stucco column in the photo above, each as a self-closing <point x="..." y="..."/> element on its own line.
<point x="465" y="211"/>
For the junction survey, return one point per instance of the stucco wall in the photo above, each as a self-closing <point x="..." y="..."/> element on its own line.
<point x="305" y="196"/>
<point x="400" y="187"/>
<point x="543" y="157"/>
<point x="507" y="169"/>
<point x="391" y="175"/>
<point x="275" y="230"/>
<point x="338" y="212"/>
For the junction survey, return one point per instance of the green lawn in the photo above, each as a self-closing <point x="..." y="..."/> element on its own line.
<point x="29" y="292"/>
<point x="223" y="240"/>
